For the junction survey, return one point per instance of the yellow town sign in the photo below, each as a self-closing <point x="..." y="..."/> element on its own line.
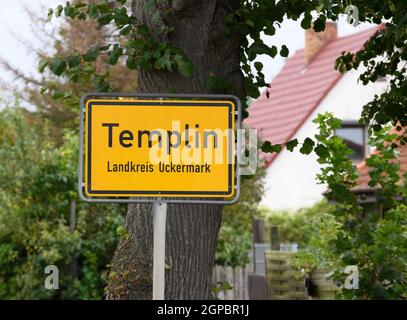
<point x="159" y="148"/>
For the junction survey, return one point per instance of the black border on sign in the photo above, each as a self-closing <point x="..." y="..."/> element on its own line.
<point x="161" y="104"/>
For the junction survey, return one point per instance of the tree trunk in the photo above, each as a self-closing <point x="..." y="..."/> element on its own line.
<point x="192" y="230"/>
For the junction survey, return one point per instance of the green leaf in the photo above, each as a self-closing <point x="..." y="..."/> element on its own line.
<point x="277" y="148"/>
<point x="74" y="77"/>
<point x="306" y="22"/>
<point x="131" y="63"/>
<point x="136" y="44"/>
<point x="42" y="65"/>
<point x="112" y="58"/>
<point x="100" y="84"/>
<point x="185" y="67"/>
<point x="321" y="151"/>
<point x="92" y="10"/>
<point x="81" y="16"/>
<point x="164" y="61"/>
<point x="69" y="11"/>
<point x="267" y="147"/>
<point x="122" y="2"/>
<point x="73" y="61"/>
<point x="272" y="51"/>
<point x="284" y="51"/>
<point x="251" y="88"/>
<point x="258" y="65"/>
<point x="145" y="62"/>
<point x="60" y="8"/>
<point x="49" y="16"/>
<point x="92" y="54"/>
<point x="120" y="16"/>
<point x="115" y="54"/>
<point x="105" y="18"/>
<point x="307" y="146"/>
<point x="319" y="23"/>
<point x="43" y="89"/>
<point x="270" y="30"/>
<point x="56" y="95"/>
<point x="250" y="23"/>
<point x="57" y="66"/>
<point x="290" y="145"/>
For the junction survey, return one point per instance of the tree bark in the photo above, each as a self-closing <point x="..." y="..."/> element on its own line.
<point x="192" y="230"/>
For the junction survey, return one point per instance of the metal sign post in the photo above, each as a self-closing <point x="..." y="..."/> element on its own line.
<point x="159" y="222"/>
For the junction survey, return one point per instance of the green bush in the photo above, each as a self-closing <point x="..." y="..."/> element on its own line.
<point x="372" y="237"/>
<point x="37" y="184"/>
<point x="233" y="247"/>
<point x="291" y="223"/>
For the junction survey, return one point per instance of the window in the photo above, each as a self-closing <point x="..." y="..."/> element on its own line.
<point x="354" y="136"/>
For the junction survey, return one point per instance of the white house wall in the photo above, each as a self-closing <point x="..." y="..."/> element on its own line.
<point x="290" y="181"/>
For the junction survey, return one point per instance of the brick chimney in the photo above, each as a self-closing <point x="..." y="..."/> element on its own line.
<point x="315" y="41"/>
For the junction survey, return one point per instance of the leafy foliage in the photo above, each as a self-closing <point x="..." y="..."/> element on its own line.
<point x="135" y="43"/>
<point x="382" y="54"/>
<point x="37" y="185"/>
<point x="56" y="97"/>
<point x="374" y="238"/>
<point x="321" y="229"/>
<point x="233" y="247"/>
<point x="219" y="287"/>
<point x="291" y="224"/>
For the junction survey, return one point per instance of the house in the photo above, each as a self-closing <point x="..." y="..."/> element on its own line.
<point x="307" y="85"/>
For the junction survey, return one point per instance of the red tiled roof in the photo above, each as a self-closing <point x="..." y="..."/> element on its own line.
<point x="298" y="89"/>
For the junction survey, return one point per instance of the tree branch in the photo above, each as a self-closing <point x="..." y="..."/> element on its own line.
<point x="18" y="73"/>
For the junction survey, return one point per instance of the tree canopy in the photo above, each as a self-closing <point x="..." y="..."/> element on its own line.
<point x="147" y="46"/>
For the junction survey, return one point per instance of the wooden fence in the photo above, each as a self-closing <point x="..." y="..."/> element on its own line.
<point x="281" y="281"/>
<point x="322" y="288"/>
<point x="237" y="277"/>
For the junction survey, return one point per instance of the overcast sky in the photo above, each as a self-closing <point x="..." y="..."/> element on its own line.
<point x="13" y="17"/>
